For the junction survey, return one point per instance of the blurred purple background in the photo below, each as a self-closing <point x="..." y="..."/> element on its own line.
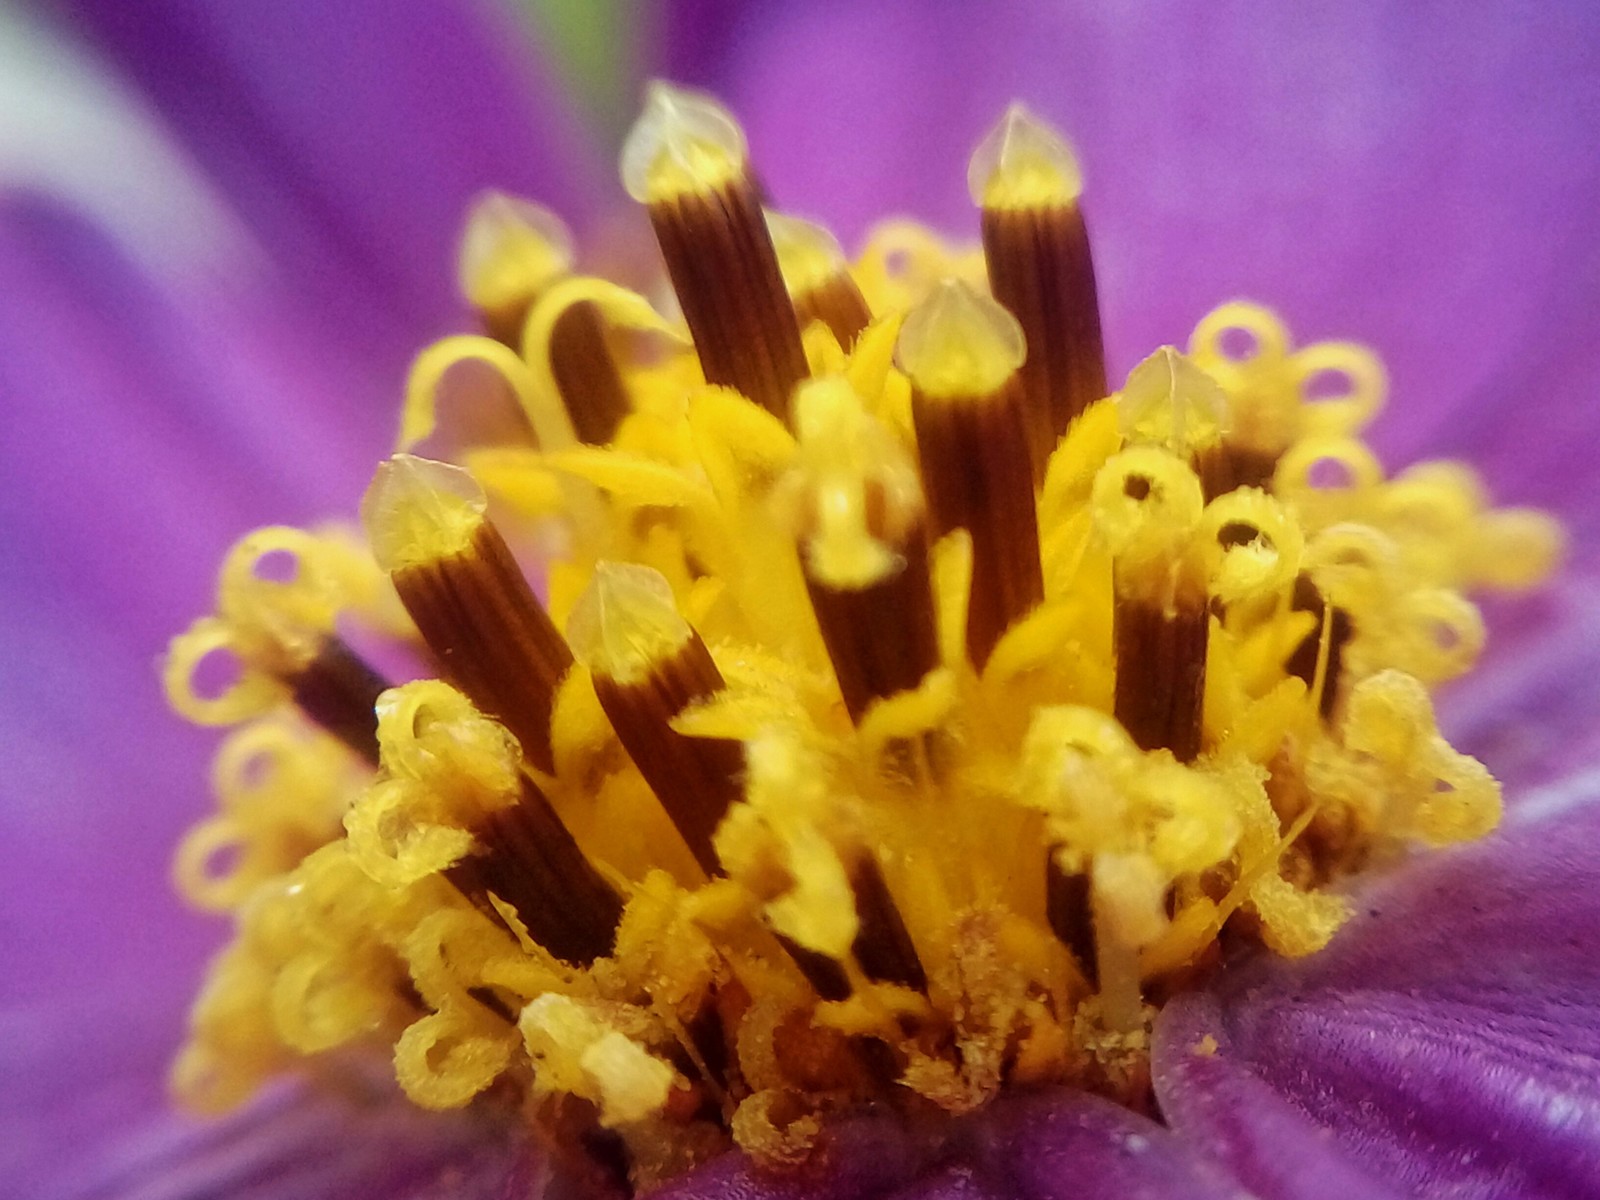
<point x="225" y="228"/>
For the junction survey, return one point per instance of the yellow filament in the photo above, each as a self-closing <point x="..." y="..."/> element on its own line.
<point x="621" y="308"/>
<point x="1261" y="336"/>
<point x="249" y="695"/>
<point x="1146" y="502"/>
<point x="1353" y="404"/>
<point x="1261" y="566"/>
<point x="854" y="496"/>
<point x="542" y="407"/>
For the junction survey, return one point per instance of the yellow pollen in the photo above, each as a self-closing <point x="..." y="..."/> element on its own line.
<point x="683" y="142"/>
<point x="512" y="250"/>
<point x="626" y="622"/>
<point x="1023" y="163"/>
<point x="958" y="342"/>
<point x="417" y="510"/>
<point x="897" y="718"/>
<point x="1171" y="402"/>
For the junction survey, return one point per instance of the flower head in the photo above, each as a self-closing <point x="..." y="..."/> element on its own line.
<point x="906" y="719"/>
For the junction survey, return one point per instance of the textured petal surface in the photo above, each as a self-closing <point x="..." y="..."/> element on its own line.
<point x="1048" y="1145"/>
<point x="1413" y="175"/>
<point x="356" y="1143"/>
<point x="1446" y="1044"/>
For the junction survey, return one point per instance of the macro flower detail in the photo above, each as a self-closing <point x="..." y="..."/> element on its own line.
<point x="909" y="715"/>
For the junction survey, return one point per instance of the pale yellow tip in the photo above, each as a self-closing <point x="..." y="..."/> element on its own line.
<point x="1170" y="401"/>
<point x="808" y="255"/>
<point x="511" y="249"/>
<point x="1023" y="163"/>
<point x="859" y="495"/>
<point x="418" y="511"/>
<point x="626" y="622"/>
<point x="683" y="141"/>
<point x="959" y="342"/>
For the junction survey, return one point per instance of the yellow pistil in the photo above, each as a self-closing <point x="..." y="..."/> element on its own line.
<point x="900" y="717"/>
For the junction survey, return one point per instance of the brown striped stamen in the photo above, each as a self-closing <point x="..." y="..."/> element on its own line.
<point x="1036" y="245"/>
<point x="685" y="160"/>
<point x="469" y="599"/>
<point x="962" y="352"/>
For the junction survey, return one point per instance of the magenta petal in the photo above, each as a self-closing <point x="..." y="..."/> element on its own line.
<point x="304" y="1144"/>
<point x="1528" y="709"/>
<point x="1446" y="1043"/>
<point x="1055" y="1144"/>
<point x="352" y="136"/>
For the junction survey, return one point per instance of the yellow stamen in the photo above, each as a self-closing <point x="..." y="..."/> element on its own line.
<point x="818" y="277"/>
<point x="961" y="352"/>
<point x="460" y="583"/>
<point x="1027" y="182"/>
<point x="685" y="160"/>
<point x="928" y="718"/>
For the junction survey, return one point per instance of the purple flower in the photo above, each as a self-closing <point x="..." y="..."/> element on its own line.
<point x="1420" y="181"/>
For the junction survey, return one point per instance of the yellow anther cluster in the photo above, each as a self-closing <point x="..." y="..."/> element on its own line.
<point x="983" y="876"/>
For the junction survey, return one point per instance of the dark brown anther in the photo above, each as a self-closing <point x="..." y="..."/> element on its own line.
<point x="961" y="351"/>
<point x="531" y="862"/>
<point x="882" y="638"/>
<point x="838" y="303"/>
<point x="471" y="603"/>
<point x="338" y="690"/>
<point x="1243" y="466"/>
<point x="1334" y="625"/>
<point x="818" y="278"/>
<point x="1036" y="245"/>
<point x="825" y="975"/>
<point x="648" y="665"/>
<point x="587" y="375"/>
<point x="1147" y="506"/>
<point x="883" y="947"/>
<point x="1161" y="672"/>
<point x="1071" y="919"/>
<point x="858" y="514"/>
<point x="685" y="160"/>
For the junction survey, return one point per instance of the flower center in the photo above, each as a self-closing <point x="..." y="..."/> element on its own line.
<point x="905" y="718"/>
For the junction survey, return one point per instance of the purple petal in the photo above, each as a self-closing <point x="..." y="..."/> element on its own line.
<point x="1447" y="1042"/>
<point x="352" y="137"/>
<point x="1528" y="710"/>
<point x="360" y="1141"/>
<point x="1055" y="1144"/>
<point x="1418" y="176"/>
<point x="145" y="431"/>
